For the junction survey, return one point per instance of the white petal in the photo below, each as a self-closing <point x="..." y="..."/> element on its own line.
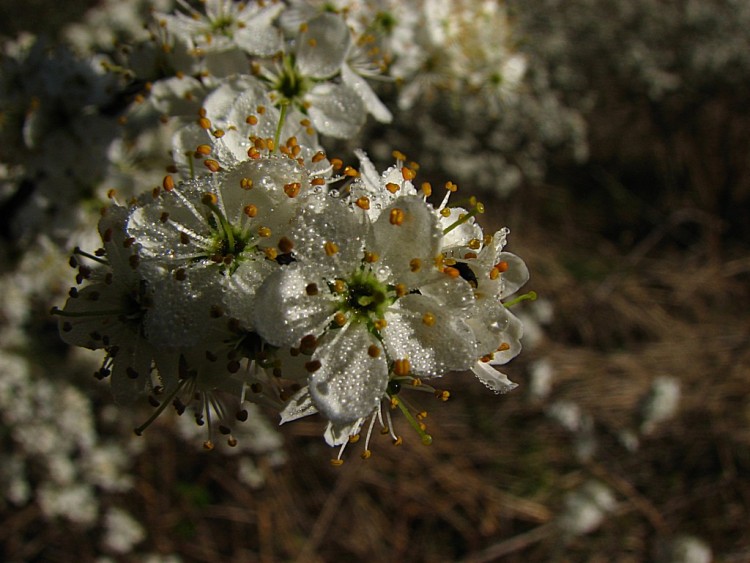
<point x="433" y="347"/>
<point x="337" y="434"/>
<point x="494" y="380"/>
<point x="352" y="377"/>
<point x="515" y="276"/>
<point x="298" y="406"/>
<point x="182" y="313"/>
<point x="399" y="243"/>
<point x="489" y="321"/>
<point x="326" y="222"/>
<point x="510" y="340"/>
<point x="177" y="96"/>
<point x="369" y="97"/>
<point x="258" y="36"/>
<point x="323" y="46"/>
<point x="336" y="110"/>
<point x="452" y="293"/>
<point x="284" y="309"/>
<point x="463" y="233"/>
<point x="101" y="307"/>
<point x="239" y="288"/>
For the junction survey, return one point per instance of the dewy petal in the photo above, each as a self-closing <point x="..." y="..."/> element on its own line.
<point x="159" y="238"/>
<point x="510" y="341"/>
<point x="177" y="96"/>
<point x="285" y="310"/>
<point x="415" y="235"/>
<point x="220" y="102"/>
<point x="324" y="222"/>
<point x="463" y="233"/>
<point x="494" y="380"/>
<point x="371" y="185"/>
<point x="258" y="36"/>
<point x="323" y="46"/>
<point x="353" y="374"/>
<point x="182" y="317"/>
<point x="515" y="276"/>
<point x="489" y="321"/>
<point x="239" y="288"/>
<point x="298" y="406"/>
<point x="337" y="433"/>
<point x="452" y="293"/>
<point x="335" y="110"/>
<point x="444" y="343"/>
<point x="369" y="97"/>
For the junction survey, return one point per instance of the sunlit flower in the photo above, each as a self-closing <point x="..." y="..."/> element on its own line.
<point x="226" y="25"/>
<point x="305" y="79"/>
<point x="372" y="298"/>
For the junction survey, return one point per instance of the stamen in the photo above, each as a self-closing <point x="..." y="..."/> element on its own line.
<point x="330" y="248"/>
<point x="428" y="319"/>
<point x="530" y="296"/>
<point x="478" y="208"/>
<point x="418" y="426"/>
<point x="397" y="216"/>
<point x="160" y="409"/>
<point x="408" y="174"/>
<point x="401" y="367"/>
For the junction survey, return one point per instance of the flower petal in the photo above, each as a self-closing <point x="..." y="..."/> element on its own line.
<point x="515" y="276"/>
<point x="339" y="433"/>
<point x="407" y="238"/>
<point x="329" y="235"/>
<point x="298" y="406"/>
<point x="323" y="46"/>
<point x="287" y="309"/>
<point x="369" y="97"/>
<point x="131" y="371"/>
<point x="510" y="341"/>
<point x="352" y="376"/>
<point x="420" y="329"/>
<point x="494" y="380"/>
<point x="258" y="36"/>
<point x="335" y="110"/>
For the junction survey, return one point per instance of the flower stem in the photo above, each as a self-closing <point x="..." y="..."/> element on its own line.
<point x="282" y="117"/>
<point x="530" y="296"/>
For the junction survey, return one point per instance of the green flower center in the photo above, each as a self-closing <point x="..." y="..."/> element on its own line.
<point x="367" y="297"/>
<point x="223" y="25"/>
<point x="228" y="241"/>
<point x="290" y="83"/>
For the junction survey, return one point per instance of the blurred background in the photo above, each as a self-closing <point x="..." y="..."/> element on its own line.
<point x="622" y="168"/>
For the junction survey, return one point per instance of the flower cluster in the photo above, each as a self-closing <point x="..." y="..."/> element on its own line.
<point x="262" y="270"/>
<point x="287" y="279"/>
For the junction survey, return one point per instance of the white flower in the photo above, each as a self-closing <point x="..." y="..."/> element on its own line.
<point x="226" y="25"/>
<point x="238" y="121"/>
<point x="373" y="299"/>
<point x="111" y="312"/>
<point x="304" y="79"/>
<point x="494" y="275"/>
<point x="220" y="235"/>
